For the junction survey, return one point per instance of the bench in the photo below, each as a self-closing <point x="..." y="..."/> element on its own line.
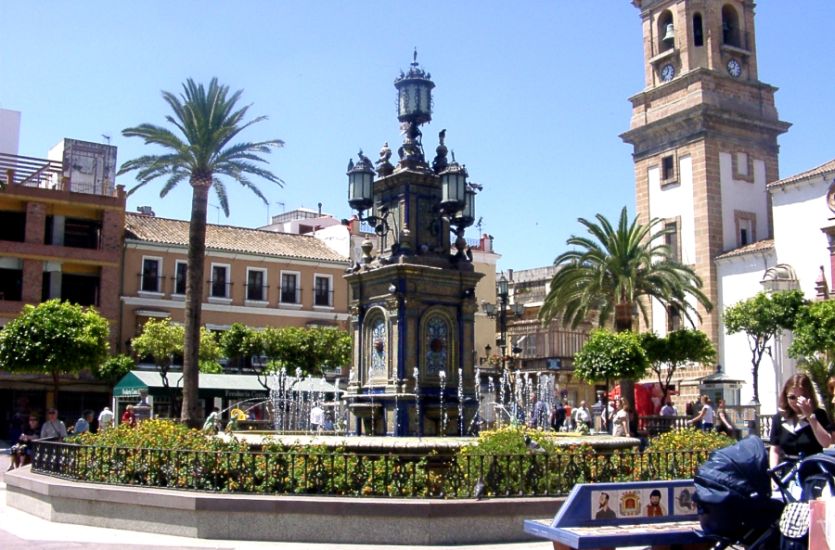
<point x="660" y="514"/>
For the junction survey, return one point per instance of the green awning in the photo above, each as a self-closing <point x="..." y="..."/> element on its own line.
<point x="139" y="380"/>
<point x="131" y="385"/>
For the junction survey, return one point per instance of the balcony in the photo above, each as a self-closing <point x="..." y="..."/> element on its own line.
<point x="18" y="171"/>
<point x="31" y="172"/>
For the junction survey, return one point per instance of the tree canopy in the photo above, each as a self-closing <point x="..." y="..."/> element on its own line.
<point x="814" y="344"/>
<point x="309" y="349"/>
<point x="160" y="340"/>
<point x="239" y="343"/>
<point x="761" y="318"/>
<point x="54" y="338"/>
<point x="114" y="368"/>
<point x="200" y="149"/>
<point x="668" y="354"/>
<point x="608" y="355"/>
<point x="618" y="266"/>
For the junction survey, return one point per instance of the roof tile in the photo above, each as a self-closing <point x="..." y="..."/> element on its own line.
<point x="231" y="239"/>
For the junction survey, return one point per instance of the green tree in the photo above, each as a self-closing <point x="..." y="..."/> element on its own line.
<point x="761" y="318"/>
<point x="210" y="352"/>
<point x="667" y="354"/>
<point x="239" y="343"/>
<point x="207" y="121"/>
<point x="160" y="340"/>
<point x="114" y="368"/>
<point x="814" y="343"/>
<point x="616" y="269"/>
<point x="309" y="349"/>
<point x="608" y="355"/>
<point x="54" y="338"/>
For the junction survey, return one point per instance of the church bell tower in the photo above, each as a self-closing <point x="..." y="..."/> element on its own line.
<point x="704" y="133"/>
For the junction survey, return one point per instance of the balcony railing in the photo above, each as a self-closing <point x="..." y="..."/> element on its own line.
<point x="219" y="289"/>
<point x="31" y="172"/>
<point x="257" y="293"/>
<point x="150" y="283"/>
<point x="323" y="298"/>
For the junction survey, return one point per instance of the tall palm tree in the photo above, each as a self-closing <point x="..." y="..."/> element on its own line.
<point x="199" y="150"/>
<point x="616" y="269"/>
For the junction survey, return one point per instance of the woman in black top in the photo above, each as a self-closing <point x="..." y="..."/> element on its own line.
<point x="801" y="428"/>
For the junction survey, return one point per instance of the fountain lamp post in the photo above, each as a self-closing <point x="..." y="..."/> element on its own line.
<point x="413" y="291"/>
<point x="501" y="310"/>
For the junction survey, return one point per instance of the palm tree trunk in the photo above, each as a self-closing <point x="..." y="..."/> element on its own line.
<point x="623" y="322"/>
<point x="191" y="414"/>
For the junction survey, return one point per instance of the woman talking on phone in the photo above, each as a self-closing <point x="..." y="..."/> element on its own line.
<point x="800" y="428"/>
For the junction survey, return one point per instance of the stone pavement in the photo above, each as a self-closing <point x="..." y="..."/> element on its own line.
<point x="19" y="531"/>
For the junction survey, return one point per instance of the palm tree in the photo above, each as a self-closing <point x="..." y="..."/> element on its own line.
<point x="616" y="269"/>
<point x="207" y="120"/>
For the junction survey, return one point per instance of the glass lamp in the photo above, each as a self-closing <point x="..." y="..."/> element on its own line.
<point x="360" y="184"/>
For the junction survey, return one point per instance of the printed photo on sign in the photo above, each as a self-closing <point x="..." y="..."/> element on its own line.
<point x="655" y="502"/>
<point x="602" y="503"/>
<point x="629" y="504"/>
<point x="683" y="501"/>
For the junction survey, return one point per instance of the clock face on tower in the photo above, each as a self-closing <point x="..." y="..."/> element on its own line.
<point x="734" y="68"/>
<point x="668" y="71"/>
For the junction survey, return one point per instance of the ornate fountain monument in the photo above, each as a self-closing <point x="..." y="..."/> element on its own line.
<point x="413" y="294"/>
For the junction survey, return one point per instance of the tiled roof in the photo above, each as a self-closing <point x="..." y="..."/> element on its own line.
<point x="230" y="239"/>
<point x="758" y="246"/>
<point x="820" y="170"/>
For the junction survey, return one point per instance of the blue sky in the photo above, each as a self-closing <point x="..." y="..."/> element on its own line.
<point x="533" y="94"/>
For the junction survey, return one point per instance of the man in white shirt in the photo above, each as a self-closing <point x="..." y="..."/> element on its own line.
<point x="317" y="417"/>
<point x="105" y="418"/>
<point x="582" y="415"/>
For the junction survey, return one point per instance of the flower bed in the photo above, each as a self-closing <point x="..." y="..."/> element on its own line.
<point x="510" y="462"/>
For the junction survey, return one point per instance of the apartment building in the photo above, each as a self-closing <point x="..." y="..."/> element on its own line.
<point x="61" y="227"/>
<point x="255" y="277"/>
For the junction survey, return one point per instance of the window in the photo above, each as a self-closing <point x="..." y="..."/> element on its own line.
<point x="289" y="292"/>
<point x="256" y="289"/>
<point x="150" y="278"/>
<point x="746" y="225"/>
<point x="673" y="318"/>
<point x="668" y="168"/>
<point x="730" y="26"/>
<point x="665" y="31"/>
<point x="671" y="239"/>
<point x="698" y="33"/>
<point x="743" y="166"/>
<point x="526" y="344"/>
<point x="322" y="294"/>
<point x="180" y="274"/>
<point x="220" y="281"/>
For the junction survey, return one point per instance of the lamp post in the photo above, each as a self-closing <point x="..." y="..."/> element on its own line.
<point x="501" y="310"/>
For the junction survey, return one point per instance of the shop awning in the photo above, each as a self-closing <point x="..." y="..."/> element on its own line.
<point x="137" y="381"/>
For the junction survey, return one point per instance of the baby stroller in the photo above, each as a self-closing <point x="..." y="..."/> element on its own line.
<point x="733" y="496"/>
<point x="811" y="478"/>
<point x="735" y="504"/>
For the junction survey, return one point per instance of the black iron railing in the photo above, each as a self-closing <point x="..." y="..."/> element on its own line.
<point x="330" y="472"/>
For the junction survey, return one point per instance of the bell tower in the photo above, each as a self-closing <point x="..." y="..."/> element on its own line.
<point x="704" y="134"/>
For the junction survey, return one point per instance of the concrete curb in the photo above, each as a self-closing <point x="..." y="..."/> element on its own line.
<point x="314" y="519"/>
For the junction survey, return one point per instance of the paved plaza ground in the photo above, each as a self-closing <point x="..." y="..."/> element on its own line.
<point x="19" y="531"/>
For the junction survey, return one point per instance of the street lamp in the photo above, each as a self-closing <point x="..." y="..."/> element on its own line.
<point x="502" y="310"/>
